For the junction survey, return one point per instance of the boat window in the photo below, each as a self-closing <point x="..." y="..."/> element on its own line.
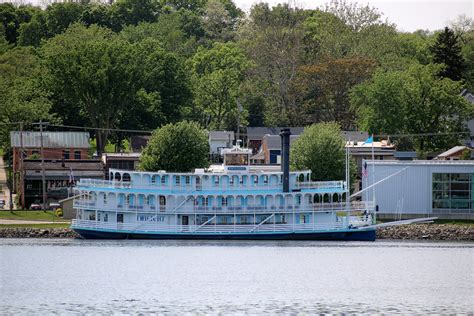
<point x="105" y="198"/>
<point x="206" y="201"/>
<point x="255" y="179"/>
<point x="224" y="201"/>
<point x="188" y="180"/>
<point x="153" y="179"/>
<point x="265" y="179"/>
<point x="163" y="180"/>
<point x="298" y="199"/>
<point x="178" y="180"/>
<point x="162" y="201"/>
<point x="98" y="216"/>
<point x="244" y="220"/>
<point x="216" y="180"/>
<point x="231" y="181"/>
<point x="106" y="217"/>
<point x="147" y="200"/>
<point x="236" y="159"/>
<point x="127" y="199"/>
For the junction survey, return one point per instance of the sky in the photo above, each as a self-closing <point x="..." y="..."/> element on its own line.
<point x="408" y="15"/>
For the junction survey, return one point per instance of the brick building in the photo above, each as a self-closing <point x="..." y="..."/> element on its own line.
<point x="56" y="146"/>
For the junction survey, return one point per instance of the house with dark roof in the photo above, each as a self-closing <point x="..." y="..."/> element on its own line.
<point x="255" y="135"/>
<point x="271" y="148"/>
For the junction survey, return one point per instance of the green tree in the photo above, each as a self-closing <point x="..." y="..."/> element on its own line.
<point x="31" y="33"/>
<point x="447" y="50"/>
<point x="216" y="75"/>
<point x="131" y="12"/>
<point x="412" y="102"/>
<point x="325" y="89"/>
<point x="273" y="39"/>
<point x="93" y="70"/>
<point x="179" y="147"/>
<point x="59" y="15"/>
<point x="321" y="149"/>
<point x="22" y="96"/>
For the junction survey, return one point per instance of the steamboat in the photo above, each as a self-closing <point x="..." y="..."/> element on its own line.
<point x="231" y="201"/>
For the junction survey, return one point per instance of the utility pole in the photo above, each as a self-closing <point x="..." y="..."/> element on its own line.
<point x="22" y="178"/>
<point x="239" y="110"/>
<point x="43" y="177"/>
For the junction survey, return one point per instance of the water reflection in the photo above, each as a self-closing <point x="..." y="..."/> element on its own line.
<point x="212" y="277"/>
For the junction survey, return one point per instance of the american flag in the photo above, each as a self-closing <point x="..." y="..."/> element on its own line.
<point x="365" y="170"/>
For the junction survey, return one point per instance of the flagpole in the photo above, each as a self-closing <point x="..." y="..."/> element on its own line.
<point x="373" y="169"/>
<point x="348" y="187"/>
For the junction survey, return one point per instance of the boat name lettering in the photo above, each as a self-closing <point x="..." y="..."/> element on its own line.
<point x="236" y="168"/>
<point x="150" y="218"/>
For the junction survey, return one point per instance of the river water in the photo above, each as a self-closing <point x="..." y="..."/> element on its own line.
<point x="68" y="276"/>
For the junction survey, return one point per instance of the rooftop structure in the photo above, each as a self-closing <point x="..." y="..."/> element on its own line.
<point x="452" y="154"/>
<point x="50" y="139"/>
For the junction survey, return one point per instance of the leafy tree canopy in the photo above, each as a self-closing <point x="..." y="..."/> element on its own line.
<point x="321" y="149"/>
<point x="411" y="102"/>
<point x="179" y="147"/>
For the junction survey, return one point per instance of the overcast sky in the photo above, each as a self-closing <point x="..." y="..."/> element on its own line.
<point x="407" y="15"/>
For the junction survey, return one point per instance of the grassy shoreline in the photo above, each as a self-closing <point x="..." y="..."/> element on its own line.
<point x="22" y="215"/>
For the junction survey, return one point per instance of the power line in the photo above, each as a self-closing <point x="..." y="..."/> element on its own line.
<point x="425" y="134"/>
<point x="150" y="131"/>
<point x="102" y="129"/>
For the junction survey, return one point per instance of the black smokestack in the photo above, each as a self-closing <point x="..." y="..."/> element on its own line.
<point x="285" y="158"/>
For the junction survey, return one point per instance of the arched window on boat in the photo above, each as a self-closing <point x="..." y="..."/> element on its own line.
<point x="118" y="177"/>
<point x="326" y="198"/>
<point x="335" y="198"/>
<point x="301" y="178"/>
<point x="255" y="180"/>
<point x="163" y="179"/>
<point x="265" y="179"/>
<point x="225" y="201"/>
<point x="162" y="200"/>
<point x="153" y="179"/>
<point x="317" y="198"/>
<point x="298" y="199"/>
<point x="126" y="177"/>
<point x="104" y="198"/>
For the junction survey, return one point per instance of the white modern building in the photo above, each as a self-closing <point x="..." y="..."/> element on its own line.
<point x="421" y="188"/>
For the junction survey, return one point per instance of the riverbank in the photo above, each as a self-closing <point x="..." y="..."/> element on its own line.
<point x="448" y="232"/>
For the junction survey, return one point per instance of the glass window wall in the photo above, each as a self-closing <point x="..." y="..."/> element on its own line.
<point x="453" y="192"/>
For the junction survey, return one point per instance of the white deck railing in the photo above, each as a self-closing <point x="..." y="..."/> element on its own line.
<point x="94" y="183"/>
<point x="337" y="185"/>
<point x="104" y="184"/>
<point x="318" y="207"/>
<point x="210" y="228"/>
